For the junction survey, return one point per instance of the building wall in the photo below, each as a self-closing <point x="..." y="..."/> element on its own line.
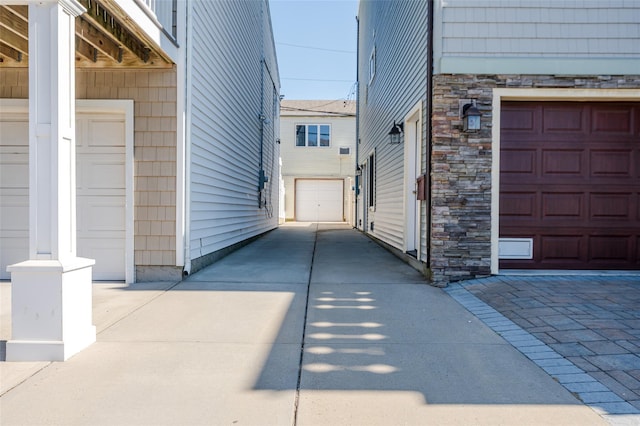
<point x="462" y="166"/>
<point x="233" y="125"/>
<point x="154" y="96"/>
<point x="398" y="33"/>
<point x="536" y="36"/>
<point x="317" y="162"/>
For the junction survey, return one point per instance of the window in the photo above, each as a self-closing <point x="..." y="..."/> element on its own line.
<point x="313" y="135"/>
<point x="372" y="65"/>
<point x="371" y="178"/>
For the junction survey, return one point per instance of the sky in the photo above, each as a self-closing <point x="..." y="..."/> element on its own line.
<point x="316" y="47"/>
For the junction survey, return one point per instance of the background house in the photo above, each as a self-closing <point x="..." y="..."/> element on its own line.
<point x="318" y="144"/>
<point x="549" y="181"/>
<point x="165" y="180"/>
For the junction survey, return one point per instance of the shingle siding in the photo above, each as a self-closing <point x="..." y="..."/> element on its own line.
<point x="230" y="40"/>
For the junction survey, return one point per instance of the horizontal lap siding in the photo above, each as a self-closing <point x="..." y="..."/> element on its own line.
<point x="227" y="78"/>
<point x="401" y="50"/>
<point x="535" y="28"/>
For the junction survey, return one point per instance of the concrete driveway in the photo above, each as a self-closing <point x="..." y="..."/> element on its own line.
<point x="312" y="324"/>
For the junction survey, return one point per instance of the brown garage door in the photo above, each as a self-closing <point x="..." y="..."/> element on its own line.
<point x="570" y="181"/>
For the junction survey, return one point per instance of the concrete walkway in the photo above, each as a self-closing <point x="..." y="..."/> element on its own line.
<point x="309" y="325"/>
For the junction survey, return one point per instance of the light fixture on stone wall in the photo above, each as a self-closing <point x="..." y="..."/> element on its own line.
<point x="395" y="135"/>
<point x="471" y="117"/>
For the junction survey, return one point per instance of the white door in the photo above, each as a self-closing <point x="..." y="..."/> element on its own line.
<point x="319" y="200"/>
<point x="100" y="159"/>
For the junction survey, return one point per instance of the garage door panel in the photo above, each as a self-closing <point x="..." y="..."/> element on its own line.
<point x="612" y="206"/>
<point x="319" y="200"/>
<point x="567" y="119"/>
<point x="610" y="249"/>
<point x="587" y="211"/>
<point x="561" y="205"/>
<point x="521" y="121"/>
<point x="611" y="120"/>
<point x="608" y="163"/>
<point x="105" y="132"/>
<point x="518" y="161"/>
<point x="101" y="171"/>
<point x="100" y="174"/>
<point x="563" y="162"/>
<point x="518" y="205"/>
<point x="561" y="248"/>
<point x="101" y="214"/>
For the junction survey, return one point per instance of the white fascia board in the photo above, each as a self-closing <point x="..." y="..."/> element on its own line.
<point x="537" y="66"/>
<point x="150" y="26"/>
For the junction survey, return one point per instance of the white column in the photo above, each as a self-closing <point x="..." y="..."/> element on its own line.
<point x="51" y="292"/>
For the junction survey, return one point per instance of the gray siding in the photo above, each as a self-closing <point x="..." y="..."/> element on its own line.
<point x="398" y="30"/>
<point x="231" y="88"/>
<point x="537" y="36"/>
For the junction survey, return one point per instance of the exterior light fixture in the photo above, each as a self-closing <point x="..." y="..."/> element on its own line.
<point x="395" y="135"/>
<point x="471" y="117"/>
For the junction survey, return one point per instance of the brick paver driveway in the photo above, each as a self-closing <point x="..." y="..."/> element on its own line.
<point x="592" y="321"/>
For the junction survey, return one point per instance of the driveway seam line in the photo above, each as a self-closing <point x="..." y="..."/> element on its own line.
<point x="566" y="373"/>
<point x="128" y="314"/>
<point x="304" y="330"/>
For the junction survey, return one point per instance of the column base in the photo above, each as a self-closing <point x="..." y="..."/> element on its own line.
<point x="51" y="309"/>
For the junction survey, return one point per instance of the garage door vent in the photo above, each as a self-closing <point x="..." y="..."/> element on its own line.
<point x="345" y="150"/>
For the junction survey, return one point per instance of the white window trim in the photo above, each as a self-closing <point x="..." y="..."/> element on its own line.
<point x="306" y="135"/>
<point x="372" y="65"/>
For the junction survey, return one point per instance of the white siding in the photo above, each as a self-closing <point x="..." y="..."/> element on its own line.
<point x="231" y="88"/>
<point x="317" y="162"/>
<point x="398" y="30"/>
<point x="537" y="36"/>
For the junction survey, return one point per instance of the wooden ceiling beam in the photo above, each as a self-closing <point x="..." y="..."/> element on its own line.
<point x="98" y="40"/>
<point x="19" y="10"/>
<point x="86" y="50"/>
<point x="105" y="20"/>
<point x="14" y="22"/>
<point x="10" y="52"/>
<point x="14" y="40"/>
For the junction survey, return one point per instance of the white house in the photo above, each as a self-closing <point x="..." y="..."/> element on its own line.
<point x="318" y="148"/>
<point x="133" y="146"/>
<point x="549" y="179"/>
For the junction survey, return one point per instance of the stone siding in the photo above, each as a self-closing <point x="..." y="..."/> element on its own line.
<point x="460" y="240"/>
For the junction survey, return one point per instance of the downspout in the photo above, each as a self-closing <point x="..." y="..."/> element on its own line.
<point x="429" y="108"/>
<point x="358" y="178"/>
<point x="187" y="148"/>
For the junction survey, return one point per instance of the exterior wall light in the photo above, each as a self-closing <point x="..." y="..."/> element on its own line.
<point x="395" y="135"/>
<point x="471" y="117"/>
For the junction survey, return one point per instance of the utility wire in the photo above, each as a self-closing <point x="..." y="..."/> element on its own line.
<point x="314" y="79"/>
<point x="317" y="48"/>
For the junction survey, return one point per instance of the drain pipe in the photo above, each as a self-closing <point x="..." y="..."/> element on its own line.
<point x="187" y="148"/>
<point x="358" y="179"/>
<point x="430" y="9"/>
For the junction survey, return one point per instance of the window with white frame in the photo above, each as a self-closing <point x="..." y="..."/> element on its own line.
<point x="313" y="135"/>
<point x="371" y="180"/>
<point x="372" y="65"/>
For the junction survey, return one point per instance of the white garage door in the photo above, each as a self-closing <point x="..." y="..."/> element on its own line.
<point x="100" y="178"/>
<point x="319" y="200"/>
